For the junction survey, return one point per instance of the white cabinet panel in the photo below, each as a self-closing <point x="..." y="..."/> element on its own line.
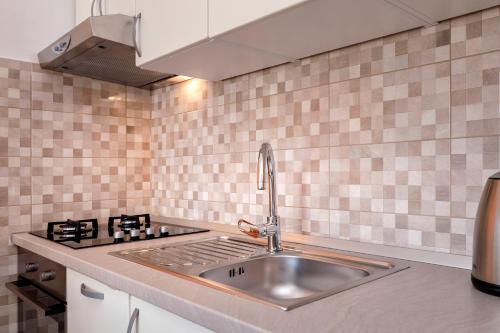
<point x="323" y="25"/>
<point x="215" y="60"/>
<point x="125" y="7"/>
<point x="168" y="26"/>
<point x="86" y="314"/>
<point x="438" y="10"/>
<point x="152" y="319"/>
<point x="83" y="8"/>
<point x="224" y="15"/>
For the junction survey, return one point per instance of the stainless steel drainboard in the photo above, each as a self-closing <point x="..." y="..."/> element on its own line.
<point x="215" y="251"/>
<point x="244" y="268"/>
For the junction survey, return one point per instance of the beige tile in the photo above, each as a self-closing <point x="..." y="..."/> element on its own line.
<point x="304" y="73"/>
<point x="15" y="178"/>
<point x="475" y="95"/>
<point x="61" y="134"/>
<point x="234" y="90"/>
<point x="194" y="94"/>
<point x="403" y="178"/>
<point x="15" y="88"/>
<point x="302" y="178"/>
<point x="65" y="180"/>
<point x="53" y="91"/>
<point x="403" y="50"/>
<point x="15" y="132"/>
<point x="357" y="111"/>
<point x="163" y="137"/>
<point x="475" y="33"/>
<point x="139" y="103"/>
<point x="138" y="138"/>
<point x="138" y="178"/>
<point x="414" y="231"/>
<point x="417" y="103"/>
<point x="298" y="119"/>
<point x="473" y="160"/>
<point x="102" y="209"/>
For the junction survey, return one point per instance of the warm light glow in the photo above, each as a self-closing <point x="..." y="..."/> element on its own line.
<point x="115" y="98"/>
<point x="192" y="85"/>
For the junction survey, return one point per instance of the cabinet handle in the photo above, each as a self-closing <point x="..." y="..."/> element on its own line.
<point x="137" y="21"/>
<point x="133" y="318"/>
<point x="87" y="292"/>
<point x="99" y="3"/>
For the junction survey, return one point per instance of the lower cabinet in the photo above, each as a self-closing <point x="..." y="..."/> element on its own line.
<point x="95" y="307"/>
<point x="152" y="319"/>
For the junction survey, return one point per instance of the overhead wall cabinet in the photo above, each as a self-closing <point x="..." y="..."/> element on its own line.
<point x="97" y="308"/>
<point x="219" y="39"/>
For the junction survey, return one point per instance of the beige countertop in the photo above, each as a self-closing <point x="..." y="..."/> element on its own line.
<point x="423" y="298"/>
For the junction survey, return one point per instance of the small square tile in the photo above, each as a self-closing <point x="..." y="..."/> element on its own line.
<point x="138" y="178"/>
<point x="138" y="138"/>
<point x="404" y="178"/>
<point x="15" y="179"/>
<point x="475" y="95"/>
<point x="475" y="33"/>
<point x="15" y="132"/>
<point x="298" y="119"/>
<point x="305" y="73"/>
<point x="139" y="103"/>
<point x="473" y="160"/>
<point x="302" y="178"/>
<point x="15" y="87"/>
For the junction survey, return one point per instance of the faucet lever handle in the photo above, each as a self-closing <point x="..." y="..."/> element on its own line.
<point x="251" y="229"/>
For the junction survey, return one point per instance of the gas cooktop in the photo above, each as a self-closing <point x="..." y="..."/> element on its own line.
<point x="125" y="228"/>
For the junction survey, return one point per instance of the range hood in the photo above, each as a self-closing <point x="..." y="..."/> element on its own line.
<point x="102" y="47"/>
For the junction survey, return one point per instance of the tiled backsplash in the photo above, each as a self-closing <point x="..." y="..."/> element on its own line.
<point x="389" y="141"/>
<point x="70" y="147"/>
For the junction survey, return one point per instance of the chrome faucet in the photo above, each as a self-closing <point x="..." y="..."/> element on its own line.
<point x="271" y="229"/>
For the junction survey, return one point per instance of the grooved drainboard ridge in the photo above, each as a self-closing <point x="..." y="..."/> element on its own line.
<point x="213" y="251"/>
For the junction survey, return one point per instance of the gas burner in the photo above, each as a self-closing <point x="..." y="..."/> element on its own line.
<point x="129" y="222"/>
<point x="68" y="235"/>
<point x="70" y="229"/>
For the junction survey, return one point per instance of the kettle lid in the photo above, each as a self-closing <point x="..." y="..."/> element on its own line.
<point x="495" y="176"/>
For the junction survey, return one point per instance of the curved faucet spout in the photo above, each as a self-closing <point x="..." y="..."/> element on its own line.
<point x="266" y="168"/>
<point x="266" y="165"/>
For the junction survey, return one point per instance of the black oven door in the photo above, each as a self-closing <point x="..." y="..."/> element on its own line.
<point x="38" y="311"/>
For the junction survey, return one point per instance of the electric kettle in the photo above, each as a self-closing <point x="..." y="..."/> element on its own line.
<point x="486" y="251"/>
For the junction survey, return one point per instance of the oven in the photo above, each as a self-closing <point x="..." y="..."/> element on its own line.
<point x="41" y="290"/>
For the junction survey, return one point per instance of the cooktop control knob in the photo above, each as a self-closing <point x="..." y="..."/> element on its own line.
<point x="31" y="267"/>
<point x="163" y="231"/>
<point x="118" y="236"/>
<point x="150" y="232"/>
<point x="135" y="234"/>
<point x="47" y="276"/>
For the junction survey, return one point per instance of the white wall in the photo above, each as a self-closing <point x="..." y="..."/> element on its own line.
<point x="28" y="26"/>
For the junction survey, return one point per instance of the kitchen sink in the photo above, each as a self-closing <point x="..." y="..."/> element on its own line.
<point x="286" y="280"/>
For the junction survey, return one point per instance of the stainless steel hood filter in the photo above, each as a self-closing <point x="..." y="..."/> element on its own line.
<point x="102" y="47"/>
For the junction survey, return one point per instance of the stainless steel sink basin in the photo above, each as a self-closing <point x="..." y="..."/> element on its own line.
<point x="289" y="279"/>
<point x="285" y="278"/>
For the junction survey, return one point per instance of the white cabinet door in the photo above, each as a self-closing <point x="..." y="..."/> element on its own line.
<point x="152" y="319"/>
<point x="83" y="8"/>
<point x="87" y="312"/>
<point x="225" y="15"/>
<point x="168" y="26"/>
